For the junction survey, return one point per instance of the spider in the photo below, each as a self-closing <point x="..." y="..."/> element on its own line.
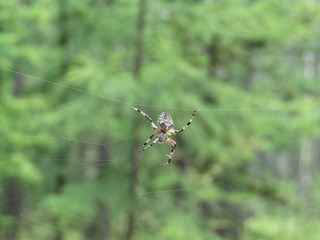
<point x="163" y="132"/>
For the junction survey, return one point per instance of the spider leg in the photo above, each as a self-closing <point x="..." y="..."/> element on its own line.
<point x="173" y="144"/>
<point x="150" y="145"/>
<point x="190" y="121"/>
<point x="153" y="125"/>
<point x="148" y="140"/>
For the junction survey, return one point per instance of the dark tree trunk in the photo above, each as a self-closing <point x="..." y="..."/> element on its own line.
<point x="133" y="189"/>
<point x="248" y="78"/>
<point x="63" y="43"/>
<point x="59" y="184"/>
<point x="139" y="48"/>
<point x="251" y="47"/>
<point x="305" y="172"/>
<point x="109" y="2"/>
<point x="103" y="232"/>
<point x="136" y="71"/>
<point x="213" y="57"/>
<point x="83" y="161"/>
<point x="99" y="232"/>
<point x="103" y="156"/>
<point x="95" y="231"/>
<point x="18" y="84"/>
<point x="12" y="192"/>
<point x="63" y="40"/>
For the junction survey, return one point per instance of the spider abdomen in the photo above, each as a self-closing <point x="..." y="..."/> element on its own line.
<point x="165" y="121"/>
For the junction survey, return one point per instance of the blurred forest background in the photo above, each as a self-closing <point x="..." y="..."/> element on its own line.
<point x="246" y="168"/>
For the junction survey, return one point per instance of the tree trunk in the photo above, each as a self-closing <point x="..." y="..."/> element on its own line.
<point x="139" y="48"/>
<point x="83" y="149"/>
<point x="18" y="85"/>
<point x="63" y="42"/>
<point x="103" y="156"/>
<point x="13" y="207"/>
<point x="136" y="71"/>
<point x="12" y="190"/>
<point x="109" y="2"/>
<point x="304" y="174"/>
<point x="213" y="58"/>
<point x="94" y="231"/>
<point x="309" y="66"/>
<point x="135" y="159"/>
<point x="99" y="232"/>
<point x="248" y="78"/>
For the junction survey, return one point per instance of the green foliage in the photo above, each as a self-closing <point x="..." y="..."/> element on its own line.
<point x="68" y="136"/>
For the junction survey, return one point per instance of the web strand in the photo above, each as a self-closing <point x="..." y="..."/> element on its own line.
<point x="59" y="172"/>
<point x="64" y="212"/>
<point x="32" y="235"/>
<point x="163" y="107"/>
<point x="65" y="86"/>
<point x="31" y="220"/>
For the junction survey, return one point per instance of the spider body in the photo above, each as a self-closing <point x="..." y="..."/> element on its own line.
<point x="164" y="131"/>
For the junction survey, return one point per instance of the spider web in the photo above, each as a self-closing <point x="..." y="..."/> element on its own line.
<point x="151" y="202"/>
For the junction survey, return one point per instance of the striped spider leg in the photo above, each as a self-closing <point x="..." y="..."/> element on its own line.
<point x="151" y="144"/>
<point x="187" y="125"/>
<point x="153" y="125"/>
<point x="149" y="139"/>
<point x="173" y="144"/>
